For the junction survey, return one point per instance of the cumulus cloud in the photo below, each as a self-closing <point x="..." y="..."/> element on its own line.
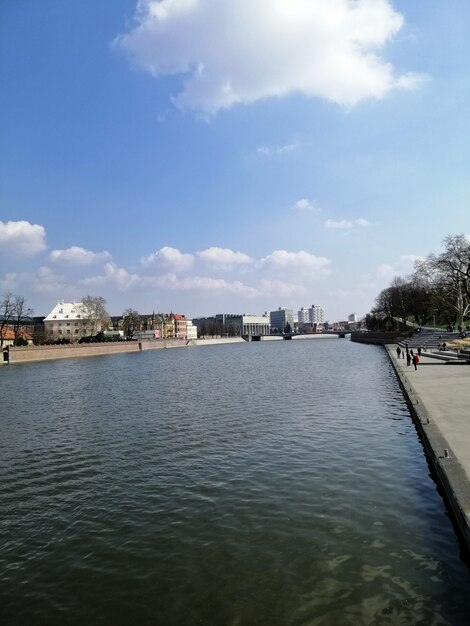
<point x="282" y="289"/>
<point x="48" y="282"/>
<point x="399" y="267"/>
<point x="9" y="282"/>
<point x="205" y="284"/>
<point x="78" y="256"/>
<point x="346" y="224"/>
<point x="303" y="205"/>
<point x="113" y="275"/>
<point x="223" y="257"/>
<point x="170" y="258"/>
<point x="298" y="261"/>
<point x="240" y="52"/>
<point x="22" y="238"/>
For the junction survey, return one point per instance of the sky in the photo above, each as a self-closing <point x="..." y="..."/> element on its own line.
<point x="204" y="157"/>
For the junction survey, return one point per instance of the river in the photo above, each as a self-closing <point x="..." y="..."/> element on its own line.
<point x="278" y="483"/>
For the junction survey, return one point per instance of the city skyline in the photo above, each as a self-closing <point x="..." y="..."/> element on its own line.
<point x="293" y="152"/>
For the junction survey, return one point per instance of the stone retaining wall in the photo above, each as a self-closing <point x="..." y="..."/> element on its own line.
<point x="377" y="338"/>
<point x="44" y="353"/>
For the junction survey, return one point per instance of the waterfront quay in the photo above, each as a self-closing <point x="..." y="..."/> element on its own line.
<point x="437" y="395"/>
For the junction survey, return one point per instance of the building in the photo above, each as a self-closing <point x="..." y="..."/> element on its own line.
<point x="191" y="330"/>
<point x="181" y="326"/>
<point x="236" y="325"/>
<point x="281" y="320"/>
<point x="68" y="320"/>
<point x="317" y="314"/>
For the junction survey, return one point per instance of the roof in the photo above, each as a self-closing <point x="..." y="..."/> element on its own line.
<point x="67" y="310"/>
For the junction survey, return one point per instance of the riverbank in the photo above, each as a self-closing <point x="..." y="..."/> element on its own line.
<point x="437" y="395"/>
<point x="27" y="354"/>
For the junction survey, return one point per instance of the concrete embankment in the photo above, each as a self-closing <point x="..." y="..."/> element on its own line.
<point x="437" y="395"/>
<point x="27" y="354"/>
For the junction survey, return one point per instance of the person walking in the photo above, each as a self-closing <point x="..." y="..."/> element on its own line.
<point x="415" y="361"/>
<point x="408" y="358"/>
<point x="398" y="352"/>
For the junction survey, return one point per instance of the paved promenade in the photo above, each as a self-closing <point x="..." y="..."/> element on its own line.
<point x="439" y="397"/>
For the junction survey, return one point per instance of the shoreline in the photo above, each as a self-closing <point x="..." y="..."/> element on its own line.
<point x="31" y="354"/>
<point x="439" y="418"/>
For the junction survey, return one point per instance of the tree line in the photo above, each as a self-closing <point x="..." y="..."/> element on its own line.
<point x="436" y="293"/>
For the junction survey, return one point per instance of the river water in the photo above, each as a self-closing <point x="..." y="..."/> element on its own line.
<point x="277" y="483"/>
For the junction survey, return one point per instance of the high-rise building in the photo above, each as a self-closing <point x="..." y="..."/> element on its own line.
<point x="303" y="315"/>
<point x="281" y="320"/>
<point x="317" y="314"/>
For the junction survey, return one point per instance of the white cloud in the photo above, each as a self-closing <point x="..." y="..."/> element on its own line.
<point x="338" y="225"/>
<point x="9" y="282"/>
<point x="401" y="267"/>
<point x="223" y="257"/>
<point x="170" y="258"/>
<point x="385" y="270"/>
<point x="205" y="284"/>
<point x="240" y="52"/>
<point x="46" y="281"/>
<point x="282" y="289"/>
<point x="410" y="259"/>
<point x="346" y="224"/>
<point x="22" y="238"/>
<point x="277" y="150"/>
<point x="78" y="256"/>
<point x="298" y="262"/>
<point x="113" y="275"/>
<point x="303" y="205"/>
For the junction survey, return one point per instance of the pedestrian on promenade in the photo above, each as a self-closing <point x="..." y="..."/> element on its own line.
<point x="415" y="361"/>
<point x="419" y="351"/>
<point x="398" y="352"/>
<point x="408" y="358"/>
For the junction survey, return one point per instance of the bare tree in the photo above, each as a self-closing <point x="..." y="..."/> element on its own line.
<point x="449" y="275"/>
<point x="130" y="322"/>
<point x="13" y="314"/>
<point x="95" y="309"/>
<point x="6" y="314"/>
<point x="21" y="314"/>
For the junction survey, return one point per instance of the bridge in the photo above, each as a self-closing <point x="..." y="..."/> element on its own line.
<point x="288" y="336"/>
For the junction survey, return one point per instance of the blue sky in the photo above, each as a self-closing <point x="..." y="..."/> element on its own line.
<point x="203" y="156"/>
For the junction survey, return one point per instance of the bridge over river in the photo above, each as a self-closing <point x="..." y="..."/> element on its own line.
<point x="288" y="336"/>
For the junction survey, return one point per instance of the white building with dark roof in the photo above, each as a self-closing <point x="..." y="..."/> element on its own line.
<point x="67" y="320"/>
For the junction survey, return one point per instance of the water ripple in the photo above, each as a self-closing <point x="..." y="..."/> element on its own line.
<point x="279" y="484"/>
